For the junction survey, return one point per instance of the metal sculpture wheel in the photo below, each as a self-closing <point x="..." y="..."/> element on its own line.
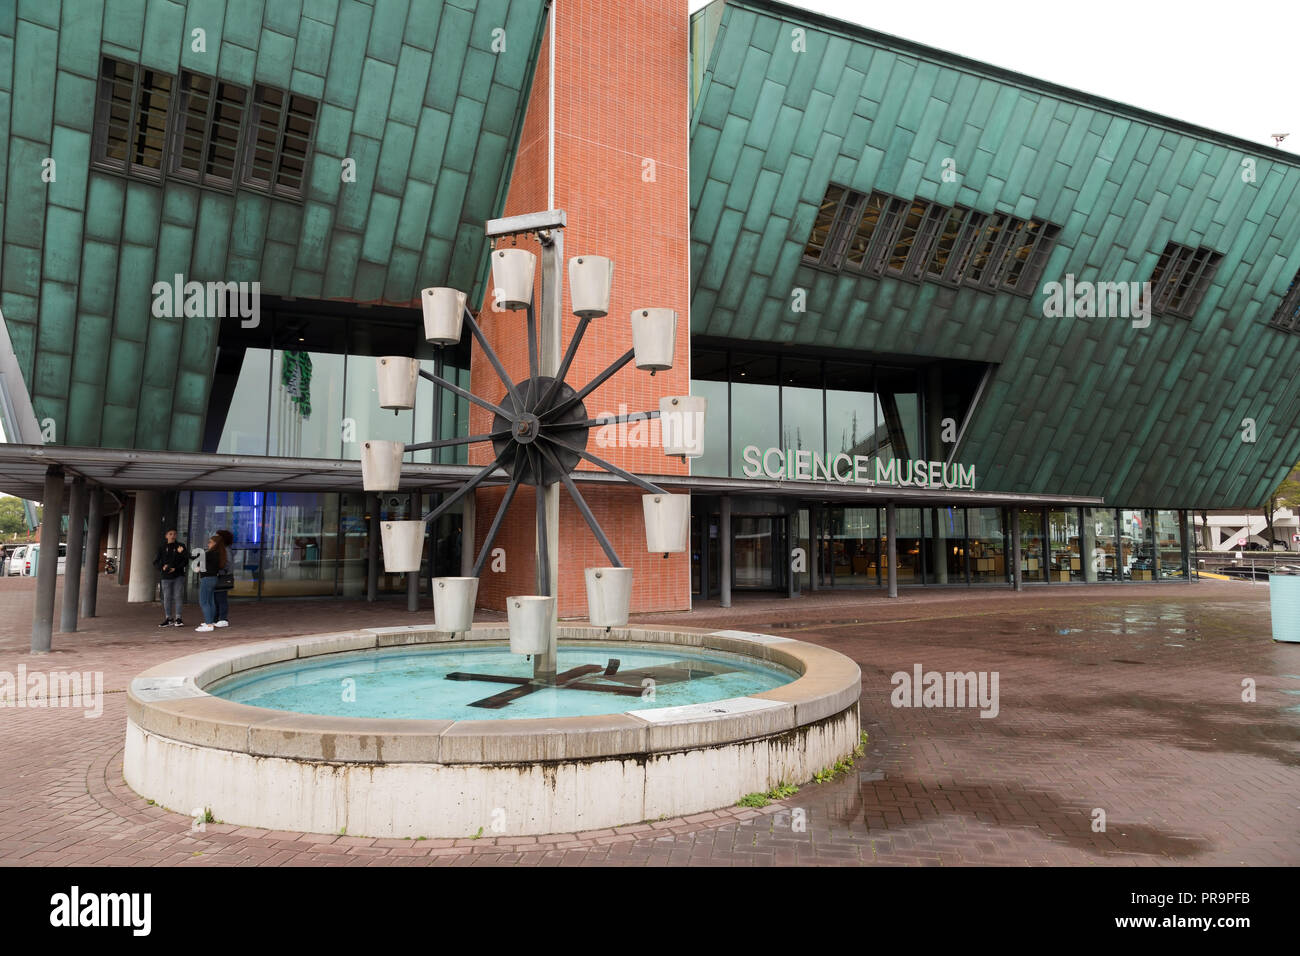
<point x="539" y="434"/>
<point x="540" y="431"/>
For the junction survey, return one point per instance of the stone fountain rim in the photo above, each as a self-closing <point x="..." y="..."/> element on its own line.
<point x="169" y="700"/>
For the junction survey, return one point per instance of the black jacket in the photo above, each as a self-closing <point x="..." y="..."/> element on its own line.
<point x="210" y="565"/>
<point x="171" y="559"/>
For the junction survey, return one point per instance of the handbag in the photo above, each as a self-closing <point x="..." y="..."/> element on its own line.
<point x="225" y="580"/>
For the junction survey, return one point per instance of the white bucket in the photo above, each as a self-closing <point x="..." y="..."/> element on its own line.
<point x="590" y="278"/>
<point x="453" y="603"/>
<point x="667" y="522"/>
<point x="444" y="313"/>
<point x="512" y="278"/>
<point x="654" y="338"/>
<point x="609" y="596"/>
<point x="397" y="376"/>
<point x="381" y="465"/>
<point x="681" y="423"/>
<point x="403" y="543"/>
<point x="532" y="623"/>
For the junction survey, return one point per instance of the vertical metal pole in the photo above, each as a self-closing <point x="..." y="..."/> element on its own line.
<point x="413" y="577"/>
<point x="548" y="497"/>
<point x="469" y="513"/>
<point x="72" y="566"/>
<point x="704" y="545"/>
<point x="94" y="539"/>
<point x="791" y="530"/>
<point x="372" y="548"/>
<point x="1017" y="577"/>
<point x="815" y="546"/>
<point x="891" y="546"/>
<point x="1184" y="527"/>
<point x="47" y="570"/>
<point x="724" y="542"/>
<point x="128" y="509"/>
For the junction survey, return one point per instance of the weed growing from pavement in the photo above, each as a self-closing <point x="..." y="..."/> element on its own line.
<point x="779" y="792"/>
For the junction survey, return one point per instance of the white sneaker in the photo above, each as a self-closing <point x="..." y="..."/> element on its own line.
<point x="204" y="628"/>
<point x="222" y="624"/>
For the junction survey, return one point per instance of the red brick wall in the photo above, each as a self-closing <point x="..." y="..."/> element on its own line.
<point x="621" y="100"/>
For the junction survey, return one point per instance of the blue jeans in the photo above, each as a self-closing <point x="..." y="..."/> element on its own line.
<point x="208" y="598"/>
<point x="223" y="604"/>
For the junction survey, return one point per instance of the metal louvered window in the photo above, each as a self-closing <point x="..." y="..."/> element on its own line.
<point x="279" y="141"/>
<point x="131" y="117"/>
<point x="202" y="130"/>
<point x="915" y="239"/>
<point x="205" y="143"/>
<point x="1287" y="317"/>
<point x="1180" y="279"/>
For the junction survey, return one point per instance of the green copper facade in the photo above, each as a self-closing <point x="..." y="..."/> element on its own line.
<point x="426" y="96"/>
<point x="788" y="103"/>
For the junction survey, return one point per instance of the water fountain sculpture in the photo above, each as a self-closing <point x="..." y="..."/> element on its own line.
<point x="539" y="433"/>
<point x="447" y="730"/>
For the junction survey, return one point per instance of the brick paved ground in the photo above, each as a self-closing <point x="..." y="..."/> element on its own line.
<point x="1122" y="698"/>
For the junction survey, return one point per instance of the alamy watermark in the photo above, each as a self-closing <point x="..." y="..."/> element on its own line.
<point x="212" y="300"/>
<point x="56" y="689"/>
<point x="951" y="689"/>
<point x="1099" y="300"/>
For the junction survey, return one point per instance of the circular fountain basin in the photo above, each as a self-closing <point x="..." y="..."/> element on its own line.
<point x="362" y="732"/>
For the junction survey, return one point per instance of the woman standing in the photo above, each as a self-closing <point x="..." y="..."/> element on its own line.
<point x="214" y="561"/>
<point x="222" y="594"/>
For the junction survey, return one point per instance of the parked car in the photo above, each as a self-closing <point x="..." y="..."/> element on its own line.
<point x="33" y="552"/>
<point x="16" y="561"/>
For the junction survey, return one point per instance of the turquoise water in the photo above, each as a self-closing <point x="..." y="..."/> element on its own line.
<point x="411" y="682"/>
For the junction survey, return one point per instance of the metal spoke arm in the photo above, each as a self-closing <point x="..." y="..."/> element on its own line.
<point x="543" y="549"/>
<point x="608" y="466"/>
<point x="466" y="488"/>
<point x="495" y="527"/>
<point x="447" y="442"/>
<point x="594" y="384"/>
<point x="469" y="396"/>
<point x="569" y="354"/>
<point x="492" y="357"/>
<point x="581" y="502"/>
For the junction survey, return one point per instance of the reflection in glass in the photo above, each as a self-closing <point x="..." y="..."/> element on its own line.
<point x="1033" y="557"/>
<point x="755" y="406"/>
<point x="910" y="561"/>
<point x="244" y="432"/>
<point x="988" y="546"/>
<point x="801" y="405"/>
<point x="850" y="409"/>
<point x="947" y="535"/>
<point x="361" y="408"/>
<point x="1137" y="545"/>
<point x="1066" y="557"/>
<point x="850" y="547"/>
<point x="899" y="414"/>
<point x="300" y="546"/>
<point x="755" y="546"/>
<point x="306" y="405"/>
<point x="1099" y="544"/>
<point x="1169" y="545"/>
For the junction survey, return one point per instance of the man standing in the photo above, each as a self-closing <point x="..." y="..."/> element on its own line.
<point x="171" y="562"/>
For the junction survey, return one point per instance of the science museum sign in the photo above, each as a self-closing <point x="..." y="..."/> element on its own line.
<point x="800" y="464"/>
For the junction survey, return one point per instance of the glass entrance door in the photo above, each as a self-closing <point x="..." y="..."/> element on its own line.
<point x="757" y="550"/>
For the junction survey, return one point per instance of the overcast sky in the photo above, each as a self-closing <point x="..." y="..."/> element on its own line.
<point x="1228" y="66"/>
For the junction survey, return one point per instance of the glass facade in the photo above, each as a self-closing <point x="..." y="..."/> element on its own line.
<point x="309" y="544"/>
<point x="304" y="385"/>
<point x="943" y="545"/>
<point x="773" y="400"/>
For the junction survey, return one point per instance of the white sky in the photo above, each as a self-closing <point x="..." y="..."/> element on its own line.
<point x="1227" y="66"/>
